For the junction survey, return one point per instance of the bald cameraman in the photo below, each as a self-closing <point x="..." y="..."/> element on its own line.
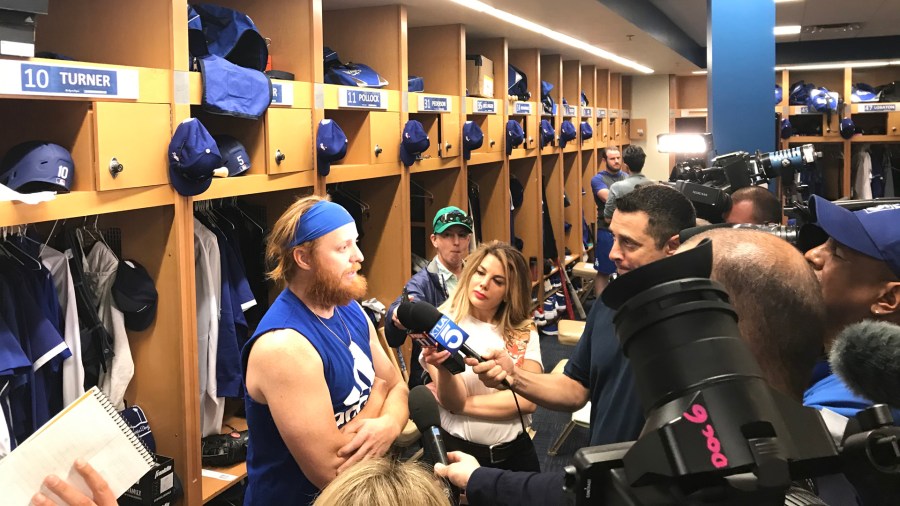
<point x="754" y="204"/>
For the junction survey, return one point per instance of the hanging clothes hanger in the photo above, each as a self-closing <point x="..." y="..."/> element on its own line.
<point x="425" y="194"/>
<point x="235" y="205"/>
<point x="363" y="206"/>
<point x="3" y="233"/>
<point x="22" y="254"/>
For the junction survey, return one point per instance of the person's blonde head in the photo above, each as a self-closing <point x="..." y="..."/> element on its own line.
<point x="514" y="313"/>
<point x="279" y="252"/>
<point x="384" y="482"/>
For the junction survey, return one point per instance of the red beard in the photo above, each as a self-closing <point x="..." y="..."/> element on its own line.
<point x="329" y="290"/>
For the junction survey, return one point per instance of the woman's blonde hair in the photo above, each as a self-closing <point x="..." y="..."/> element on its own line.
<point x="514" y="313"/>
<point x="384" y="482"/>
<point x="279" y="252"/>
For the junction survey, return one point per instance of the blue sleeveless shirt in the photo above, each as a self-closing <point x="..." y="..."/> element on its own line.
<point x="273" y="475"/>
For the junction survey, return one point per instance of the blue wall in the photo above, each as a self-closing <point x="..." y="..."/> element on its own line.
<point x="741" y="79"/>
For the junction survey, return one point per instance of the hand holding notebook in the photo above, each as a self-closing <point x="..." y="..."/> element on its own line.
<point x="89" y="429"/>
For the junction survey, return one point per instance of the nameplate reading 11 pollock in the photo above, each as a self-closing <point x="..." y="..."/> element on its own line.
<point x="282" y="94"/>
<point x="362" y="99"/>
<point x="24" y="78"/>
<point x="522" y="108"/>
<point x="484" y="106"/>
<point x="431" y="103"/>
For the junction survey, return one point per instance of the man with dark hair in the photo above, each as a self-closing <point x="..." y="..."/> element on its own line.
<point x="600" y="185"/>
<point x="645" y="229"/>
<point x="634" y="158"/>
<point x="753" y="204"/>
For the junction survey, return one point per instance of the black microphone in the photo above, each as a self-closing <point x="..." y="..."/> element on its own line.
<point x="866" y="355"/>
<point x="419" y="316"/>
<point x="423" y="410"/>
<point x="407" y="316"/>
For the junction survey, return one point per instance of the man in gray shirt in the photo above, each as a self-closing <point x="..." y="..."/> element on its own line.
<point x="634" y="158"/>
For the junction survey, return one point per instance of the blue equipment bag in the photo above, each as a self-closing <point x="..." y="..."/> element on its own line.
<point x="350" y="74"/>
<point x="232" y="90"/>
<point x="863" y="92"/>
<point x="416" y="84"/>
<point x="518" y="83"/>
<point x="228" y="33"/>
<point x="546" y="100"/>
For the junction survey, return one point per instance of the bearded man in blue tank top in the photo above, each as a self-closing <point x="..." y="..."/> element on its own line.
<point x="321" y="394"/>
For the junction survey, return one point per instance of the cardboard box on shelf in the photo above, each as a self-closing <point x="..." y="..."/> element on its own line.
<point x="479" y="76"/>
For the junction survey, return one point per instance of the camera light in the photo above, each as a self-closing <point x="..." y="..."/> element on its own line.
<point x="684" y="143"/>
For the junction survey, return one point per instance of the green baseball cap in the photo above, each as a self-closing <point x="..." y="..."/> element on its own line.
<point x="449" y="216"/>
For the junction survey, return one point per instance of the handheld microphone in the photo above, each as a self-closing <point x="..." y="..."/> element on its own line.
<point x="866" y="355"/>
<point x="423" y="410"/>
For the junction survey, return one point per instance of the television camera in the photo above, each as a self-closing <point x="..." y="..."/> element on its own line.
<point x="716" y="432"/>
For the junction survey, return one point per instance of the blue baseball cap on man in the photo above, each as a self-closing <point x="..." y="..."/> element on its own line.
<point x="473" y="138"/>
<point x="586" y="131"/>
<point x="872" y="231"/>
<point x="193" y="158"/>
<point x="515" y="136"/>
<point x="413" y="142"/>
<point x="331" y="145"/>
<point x="566" y="133"/>
<point x="547" y="133"/>
<point x="37" y="166"/>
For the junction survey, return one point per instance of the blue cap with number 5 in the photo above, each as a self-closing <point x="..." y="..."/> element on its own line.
<point x="35" y="166"/>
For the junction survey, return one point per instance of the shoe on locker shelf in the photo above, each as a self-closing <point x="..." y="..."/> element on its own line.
<point x="560" y="299"/>
<point x="548" y="286"/>
<point x="549" y="310"/>
<point x="539" y="320"/>
<point x="556" y="281"/>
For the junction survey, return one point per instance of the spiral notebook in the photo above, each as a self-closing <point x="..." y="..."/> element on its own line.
<point x="91" y="429"/>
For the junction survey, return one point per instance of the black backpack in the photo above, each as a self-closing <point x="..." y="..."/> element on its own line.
<point x="518" y="83"/>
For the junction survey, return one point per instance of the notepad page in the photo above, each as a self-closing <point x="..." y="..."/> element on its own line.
<point x="85" y="429"/>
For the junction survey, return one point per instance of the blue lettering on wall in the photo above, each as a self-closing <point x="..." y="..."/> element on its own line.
<point x="68" y="80"/>
<point x="879" y="107"/>
<point x="364" y="99"/>
<point x="522" y="108"/>
<point x="277" y="94"/>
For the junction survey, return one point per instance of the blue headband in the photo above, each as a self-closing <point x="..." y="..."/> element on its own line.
<point x="320" y="219"/>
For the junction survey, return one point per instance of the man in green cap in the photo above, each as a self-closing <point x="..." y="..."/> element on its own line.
<point x="452" y="230"/>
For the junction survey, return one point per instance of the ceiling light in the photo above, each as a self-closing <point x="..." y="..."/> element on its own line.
<point x="560" y="37"/>
<point x="828" y="66"/>
<point x="699" y="72"/>
<point x="785" y="1"/>
<point x="832" y="28"/>
<point x="787" y="30"/>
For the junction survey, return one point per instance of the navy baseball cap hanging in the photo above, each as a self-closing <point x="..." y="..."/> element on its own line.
<point x="135" y="295"/>
<point x="779" y="94"/>
<point x="193" y="158"/>
<point x="787" y="130"/>
<point x="547" y="133"/>
<point x="586" y="131"/>
<point x="234" y="155"/>
<point x="227" y="33"/>
<point x="35" y="166"/>
<point x="515" y="136"/>
<point x="567" y="133"/>
<point x="473" y="138"/>
<point x="848" y="128"/>
<point x="413" y="142"/>
<point x="331" y="145"/>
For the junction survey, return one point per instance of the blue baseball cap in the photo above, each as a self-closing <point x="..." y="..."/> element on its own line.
<point x="787" y="130"/>
<point x="586" y="131"/>
<point x="872" y="231"/>
<point x="567" y="133"/>
<point x="547" y="133"/>
<point x="473" y="138"/>
<point x="234" y="155"/>
<point x="515" y="136"/>
<point x="413" y="142"/>
<point x="331" y="145"/>
<point x="193" y="158"/>
<point x="35" y="166"/>
<point x="848" y="128"/>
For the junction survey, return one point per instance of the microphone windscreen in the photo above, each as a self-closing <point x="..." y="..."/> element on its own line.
<point x="418" y="316"/>
<point x="423" y="408"/>
<point x="866" y="355"/>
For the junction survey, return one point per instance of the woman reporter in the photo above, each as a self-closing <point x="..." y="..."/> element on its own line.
<point x="492" y="304"/>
